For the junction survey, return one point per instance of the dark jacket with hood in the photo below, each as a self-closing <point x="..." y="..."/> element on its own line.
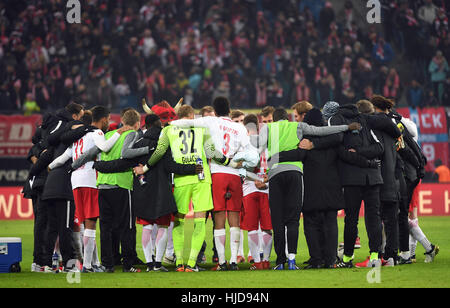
<point x="364" y="143"/>
<point x="155" y="198"/>
<point x="390" y="166"/>
<point x="58" y="184"/>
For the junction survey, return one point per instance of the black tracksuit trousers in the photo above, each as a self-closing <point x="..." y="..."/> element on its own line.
<point x="321" y="233"/>
<point x="353" y="196"/>
<point x="389" y="216"/>
<point x="285" y="202"/>
<point x="116" y="217"/>
<point x="60" y="223"/>
<point x="40" y="229"/>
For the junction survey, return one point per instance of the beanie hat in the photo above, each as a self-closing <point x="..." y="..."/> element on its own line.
<point x="330" y="109"/>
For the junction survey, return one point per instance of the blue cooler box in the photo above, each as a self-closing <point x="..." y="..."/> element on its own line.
<point x="10" y="254"/>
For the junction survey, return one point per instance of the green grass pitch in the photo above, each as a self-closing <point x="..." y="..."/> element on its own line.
<point x="418" y="275"/>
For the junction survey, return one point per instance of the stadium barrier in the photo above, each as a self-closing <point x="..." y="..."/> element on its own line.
<point x="434" y="200"/>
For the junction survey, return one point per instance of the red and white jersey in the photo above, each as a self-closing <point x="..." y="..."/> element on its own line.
<point x="249" y="186"/>
<point x="234" y="138"/>
<point x="85" y="176"/>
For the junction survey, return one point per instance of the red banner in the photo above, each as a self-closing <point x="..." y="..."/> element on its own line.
<point x="13" y="205"/>
<point x="434" y="200"/>
<point x="433" y="133"/>
<point x="16" y="133"/>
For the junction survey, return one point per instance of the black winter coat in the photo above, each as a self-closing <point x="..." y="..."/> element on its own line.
<point x="390" y="190"/>
<point x="58" y="183"/>
<point x="364" y="144"/>
<point x="155" y="198"/>
<point x="322" y="184"/>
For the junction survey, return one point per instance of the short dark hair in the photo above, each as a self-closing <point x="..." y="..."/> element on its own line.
<point x="99" y="112"/>
<point x="150" y="120"/>
<point x="280" y="114"/>
<point x="221" y="106"/>
<point x="236" y="113"/>
<point x="74" y="108"/>
<point x="251" y="118"/>
<point x="87" y="118"/>
<point x="266" y="111"/>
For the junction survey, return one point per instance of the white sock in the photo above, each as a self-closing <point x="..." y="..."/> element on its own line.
<point x="81" y="236"/>
<point x="147" y="243"/>
<point x="285" y="238"/>
<point x="169" y="248"/>
<point x="95" y="259"/>
<point x="253" y="245"/>
<point x="235" y="233"/>
<point x="412" y="245"/>
<point x="161" y="243"/>
<point x="154" y="233"/>
<point x="89" y="245"/>
<point x="267" y="245"/>
<point x="418" y="234"/>
<point x="261" y="243"/>
<point x="405" y="255"/>
<point x="219" y="239"/>
<point x="291" y="256"/>
<point x="241" y="244"/>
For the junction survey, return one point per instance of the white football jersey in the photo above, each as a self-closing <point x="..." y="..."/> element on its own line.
<point x="229" y="137"/>
<point x="249" y="186"/>
<point x="85" y="176"/>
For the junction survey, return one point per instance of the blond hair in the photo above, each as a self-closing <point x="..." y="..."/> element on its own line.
<point x="131" y="117"/>
<point x="302" y="107"/>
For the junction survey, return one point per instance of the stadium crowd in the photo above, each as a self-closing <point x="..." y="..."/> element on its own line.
<point x="255" y="53"/>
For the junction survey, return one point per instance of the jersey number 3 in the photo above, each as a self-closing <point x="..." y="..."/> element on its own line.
<point x="226" y="146"/>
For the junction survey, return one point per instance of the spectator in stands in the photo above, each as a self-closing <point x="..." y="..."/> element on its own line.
<point x="30" y="106"/>
<point x="156" y="46"/>
<point x="415" y="95"/>
<point x="438" y="69"/>
<point x="392" y="85"/>
<point x="382" y="52"/>
<point x="428" y="12"/>
<point x="430" y="99"/>
<point x="441" y="172"/>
